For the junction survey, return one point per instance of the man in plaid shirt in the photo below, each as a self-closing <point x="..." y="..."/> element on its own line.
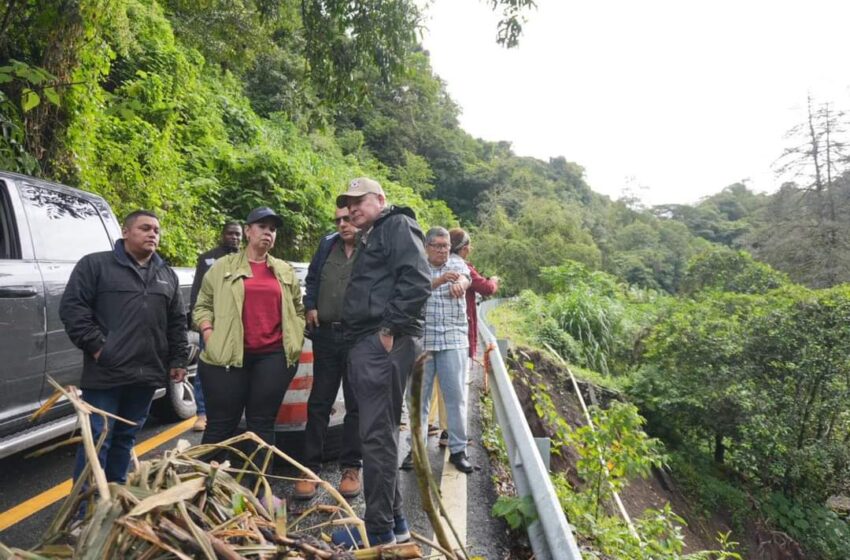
<point x="446" y="341"/>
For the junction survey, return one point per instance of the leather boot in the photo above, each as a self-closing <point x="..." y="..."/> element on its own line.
<point x="349" y="486"/>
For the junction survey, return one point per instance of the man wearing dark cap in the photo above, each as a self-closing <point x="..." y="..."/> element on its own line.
<point x="231" y="237"/>
<point x="383" y="319"/>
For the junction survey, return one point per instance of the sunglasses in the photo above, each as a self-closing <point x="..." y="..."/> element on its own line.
<point x="342" y="219"/>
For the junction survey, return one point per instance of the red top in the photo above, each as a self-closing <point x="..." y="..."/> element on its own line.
<point x="261" y="311"/>
<point x="479" y="285"/>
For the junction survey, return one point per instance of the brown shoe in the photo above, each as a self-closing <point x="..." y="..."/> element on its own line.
<point x="200" y="423"/>
<point x="305" y="489"/>
<point x="349" y="486"/>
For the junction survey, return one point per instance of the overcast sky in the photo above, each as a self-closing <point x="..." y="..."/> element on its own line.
<point x="680" y="98"/>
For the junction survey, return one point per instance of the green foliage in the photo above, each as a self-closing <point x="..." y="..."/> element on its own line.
<point x="559" y="429"/>
<point x="818" y="529"/>
<point x="763" y="378"/>
<point x="590" y="318"/>
<point x="616" y="450"/>
<point x="544" y="233"/>
<point x="709" y="488"/>
<point x="153" y="124"/>
<point x="29" y="84"/>
<point x="13" y="152"/>
<point x="730" y="271"/>
<point x="510" y="26"/>
<point x="517" y="512"/>
<point x="725" y="218"/>
<point x="491" y="434"/>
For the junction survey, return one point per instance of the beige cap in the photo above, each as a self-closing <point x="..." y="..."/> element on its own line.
<point x="358" y="187"/>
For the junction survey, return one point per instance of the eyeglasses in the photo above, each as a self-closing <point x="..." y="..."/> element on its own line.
<point x="440" y="246"/>
<point x="341" y="219"/>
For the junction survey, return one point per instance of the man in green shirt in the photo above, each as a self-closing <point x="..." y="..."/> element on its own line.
<point x="327" y="279"/>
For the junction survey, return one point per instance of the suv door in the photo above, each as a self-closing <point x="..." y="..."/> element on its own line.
<point x="65" y="227"/>
<point x="22" y="328"/>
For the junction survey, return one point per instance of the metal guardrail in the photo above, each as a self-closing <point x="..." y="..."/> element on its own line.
<point x="550" y="535"/>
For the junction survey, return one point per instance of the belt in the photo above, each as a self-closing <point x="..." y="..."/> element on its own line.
<point x="332" y="325"/>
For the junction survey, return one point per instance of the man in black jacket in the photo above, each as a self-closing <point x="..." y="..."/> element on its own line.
<point x="326" y="282"/>
<point x="231" y="237"/>
<point x="123" y="309"/>
<point x="383" y="318"/>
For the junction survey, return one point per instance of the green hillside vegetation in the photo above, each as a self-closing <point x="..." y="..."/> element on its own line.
<point x="744" y="376"/>
<point x="203" y="110"/>
<point x="151" y="121"/>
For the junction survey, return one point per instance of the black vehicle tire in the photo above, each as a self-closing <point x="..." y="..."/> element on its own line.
<point x="177" y="404"/>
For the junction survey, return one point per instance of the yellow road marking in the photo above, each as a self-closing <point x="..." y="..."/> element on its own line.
<point x="169" y="434"/>
<point x="48" y="497"/>
<point x="34" y="504"/>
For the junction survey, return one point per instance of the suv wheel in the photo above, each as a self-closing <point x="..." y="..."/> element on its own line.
<point x="178" y="402"/>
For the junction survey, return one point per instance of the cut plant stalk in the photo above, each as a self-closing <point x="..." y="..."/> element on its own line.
<point x="180" y="506"/>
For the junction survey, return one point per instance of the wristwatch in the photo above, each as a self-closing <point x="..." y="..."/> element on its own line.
<point x="385" y="331"/>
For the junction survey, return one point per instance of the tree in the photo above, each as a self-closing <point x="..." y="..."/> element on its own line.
<point x="804" y="231"/>
<point x="724" y="270"/>
<point x="510" y="26"/>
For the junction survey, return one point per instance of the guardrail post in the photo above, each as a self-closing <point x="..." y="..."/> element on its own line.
<point x="544" y="446"/>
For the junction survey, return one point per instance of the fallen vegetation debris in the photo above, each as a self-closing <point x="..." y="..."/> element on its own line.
<point x="180" y="506"/>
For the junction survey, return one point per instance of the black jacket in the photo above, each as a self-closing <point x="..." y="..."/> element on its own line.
<point x="390" y="280"/>
<point x="314" y="272"/>
<point x="138" y="324"/>
<point x="205" y="261"/>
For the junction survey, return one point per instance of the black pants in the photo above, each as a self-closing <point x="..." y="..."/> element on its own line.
<point x="330" y="365"/>
<point x="256" y="389"/>
<point x="379" y="379"/>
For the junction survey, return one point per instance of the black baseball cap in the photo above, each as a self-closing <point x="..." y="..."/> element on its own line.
<point x="262" y="213"/>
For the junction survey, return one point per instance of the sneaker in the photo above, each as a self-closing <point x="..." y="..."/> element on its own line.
<point x="305" y="489"/>
<point x="350" y="538"/>
<point x="400" y="529"/>
<point x="349" y="486"/>
<point x="200" y="423"/>
<point x="407" y="463"/>
<point x="460" y="462"/>
<point x="444" y="439"/>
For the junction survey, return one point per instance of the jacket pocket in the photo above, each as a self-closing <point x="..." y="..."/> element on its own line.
<point x="214" y="348"/>
<point x="105" y="358"/>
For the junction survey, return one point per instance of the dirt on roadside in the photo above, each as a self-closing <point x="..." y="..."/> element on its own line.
<point x="640" y="494"/>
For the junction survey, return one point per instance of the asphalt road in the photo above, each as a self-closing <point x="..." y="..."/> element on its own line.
<point x="31" y="488"/>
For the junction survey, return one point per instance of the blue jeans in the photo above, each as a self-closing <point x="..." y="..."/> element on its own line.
<point x="131" y="402"/>
<point x="199" y="395"/>
<point x="199" y="387"/>
<point x="449" y="366"/>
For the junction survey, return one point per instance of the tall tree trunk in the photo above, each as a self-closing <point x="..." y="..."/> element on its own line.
<point x="807" y="411"/>
<point x="719" y="448"/>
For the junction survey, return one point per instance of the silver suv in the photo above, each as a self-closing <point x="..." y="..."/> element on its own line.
<point x="45" y="228"/>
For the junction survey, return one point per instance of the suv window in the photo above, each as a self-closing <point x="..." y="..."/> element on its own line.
<point x="8" y="243"/>
<point x="64" y="227"/>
